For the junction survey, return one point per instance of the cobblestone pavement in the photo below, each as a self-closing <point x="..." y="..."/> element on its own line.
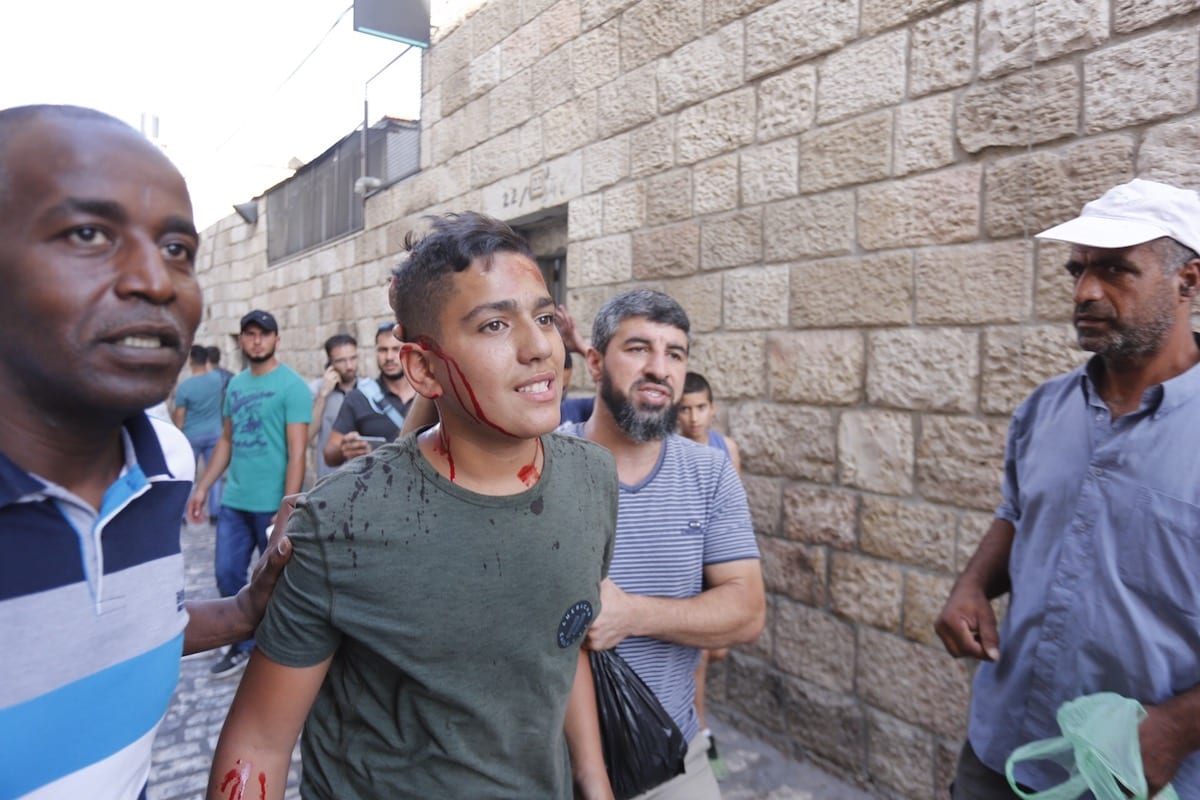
<point x="184" y="747"/>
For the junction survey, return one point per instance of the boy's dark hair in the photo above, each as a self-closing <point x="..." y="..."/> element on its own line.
<point x="214" y="355"/>
<point x="338" y="340"/>
<point x="654" y="306"/>
<point x="421" y="283"/>
<point x="695" y="382"/>
<point x="198" y="355"/>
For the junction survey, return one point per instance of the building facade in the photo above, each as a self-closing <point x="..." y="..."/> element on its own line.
<point x="843" y="195"/>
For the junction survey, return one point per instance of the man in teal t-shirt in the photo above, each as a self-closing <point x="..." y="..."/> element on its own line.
<point x="266" y="413"/>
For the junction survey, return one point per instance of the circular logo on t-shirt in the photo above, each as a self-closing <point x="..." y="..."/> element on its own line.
<point x="574" y="623"/>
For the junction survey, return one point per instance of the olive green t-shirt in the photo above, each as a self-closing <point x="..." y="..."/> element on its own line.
<point x="454" y="620"/>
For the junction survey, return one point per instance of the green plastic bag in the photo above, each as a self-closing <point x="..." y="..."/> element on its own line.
<point x="1098" y="748"/>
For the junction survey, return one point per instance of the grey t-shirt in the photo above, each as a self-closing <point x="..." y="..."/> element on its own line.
<point x="454" y="620"/>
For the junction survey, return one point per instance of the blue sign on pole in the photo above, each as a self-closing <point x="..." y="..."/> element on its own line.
<point x="404" y="21"/>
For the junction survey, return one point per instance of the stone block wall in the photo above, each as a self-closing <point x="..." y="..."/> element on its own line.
<point x="843" y="195"/>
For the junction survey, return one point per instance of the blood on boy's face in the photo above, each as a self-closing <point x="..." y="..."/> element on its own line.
<point x="499" y="357"/>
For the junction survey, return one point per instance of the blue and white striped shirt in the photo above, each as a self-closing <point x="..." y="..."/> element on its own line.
<point x="690" y="511"/>
<point x="92" y="619"/>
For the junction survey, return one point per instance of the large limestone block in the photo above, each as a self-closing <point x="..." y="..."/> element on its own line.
<point x="1012" y="35"/>
<point x="596" y="56"/>
<point x="601" y="261"/>
<point x="532" y="148"/>
<point x="719" y="12"/>
<point x="908" y="532"/>
<point x="789" y="441"/>
<point x="793" y="569"/>
<point x="831" y="294"/>
<point x="1028" y="193"/>
<point x="627" y="102"/>
<point x="787" y="102"/>
<point x="605" y="162"/>
<point x="1130" y="15"/>
<point x="558" y="25"/>
<point x="770" y="171"/>
<point x="669" y="197"/>
<point x="755" y="689"/>
<point x="595" y="12"/>
<point x="1147" y="79"/>
<point x="1017" y="360"/>
<point x="666" y="252"/>
<point x="863" y="76"/>
<point x="821" y="367"/>
<point x="857" y="151"/>
<point x="715" y="126"/>
<point x="495" y="158"/>
<point x="585" y="218"/>
<point x="532" y="9"/>
<point x="830" y="724"/>
<point x="900" y="757"/>
<point x="1054" y="298"/>
<point x="716" y="185"/>
<point x="916" y="683"/>
<point x="865" y="590"/>
<point x="484" y="73"/>
<point x="789" y="31"/>
<point x="519" y="50"/>
<point x="807" y="227"/>
<point x="875" y="451"/>
<point x="652" y="147"/>
<point x="732" y="362"/>
<point x="924" y="596"/>
<point x="880" y="14"/>
<point x="756" y="298"/>
<point x="701" y="69"/>
<point x="553" y="80"/>
<point x="814" y="646"/>
<point x="959" y="460"/>
<point x="925" y="134"/>
<point x="731" y="239"/>
<point x="942" y="50"/>
<point x="700" y="295"/>
<point x="569" y="126"/>
<point x="512" y="101"/>
<point x="653" y="28"/>
<point x="625" y="207"/>
<point x="1168" y="153"/>
<point x="1022" y="109"/>
<point x="492" y="22"/>
<point x="817" y="515"/>
<point x="934" y="208"/>
<point x="974" y="284"/>
<point x="446" y="57"/>
<point x="765" y="496"/>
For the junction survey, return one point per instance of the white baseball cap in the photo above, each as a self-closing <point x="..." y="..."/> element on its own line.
<point x="1133" y="213"/>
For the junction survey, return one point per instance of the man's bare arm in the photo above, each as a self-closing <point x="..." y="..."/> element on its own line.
<point x="967" y="624"/>
<point x="732" y="610"/>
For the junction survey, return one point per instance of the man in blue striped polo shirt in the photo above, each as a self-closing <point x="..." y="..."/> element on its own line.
<point x="685" y="574"/>
<point x="100" y="301"/>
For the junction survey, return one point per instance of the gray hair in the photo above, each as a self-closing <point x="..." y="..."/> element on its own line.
<point x="652" y="305"/>
<point x="1172" y="254"/>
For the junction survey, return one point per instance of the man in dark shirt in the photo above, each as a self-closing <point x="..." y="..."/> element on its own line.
<point x="376" y="408"/>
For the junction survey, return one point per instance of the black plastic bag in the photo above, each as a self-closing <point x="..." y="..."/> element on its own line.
<point x="643" y="746"/>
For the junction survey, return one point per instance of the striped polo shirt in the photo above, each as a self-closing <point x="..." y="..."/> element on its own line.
<point x="690" y="511"/>
<point x="92" y="619"/>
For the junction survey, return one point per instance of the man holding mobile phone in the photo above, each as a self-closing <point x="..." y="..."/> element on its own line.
<point x="374" y="411"/>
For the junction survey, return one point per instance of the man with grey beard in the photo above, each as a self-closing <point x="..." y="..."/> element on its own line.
<point x="685" y="574"/>
<point x="1097" y="536"/>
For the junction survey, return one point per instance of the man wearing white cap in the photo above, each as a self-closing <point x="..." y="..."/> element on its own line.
<point x="1097" y="536"/>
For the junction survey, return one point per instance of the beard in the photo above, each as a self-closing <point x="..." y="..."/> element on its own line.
<point x="638" y="424"/>
<point x="260" y="359"/>
<point x="395" y="374"/>
<point x="1129" y="339"/>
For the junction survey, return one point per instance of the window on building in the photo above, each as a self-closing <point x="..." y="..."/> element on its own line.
<point x="319" y="203"/>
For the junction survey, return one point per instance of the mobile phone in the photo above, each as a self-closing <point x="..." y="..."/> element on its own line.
<point x="373" y="441"/>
